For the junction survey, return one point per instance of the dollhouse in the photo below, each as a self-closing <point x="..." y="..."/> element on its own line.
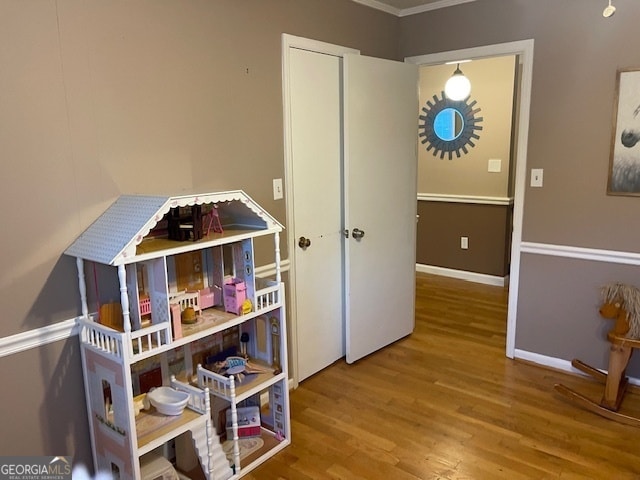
<point x="187" y="366"/>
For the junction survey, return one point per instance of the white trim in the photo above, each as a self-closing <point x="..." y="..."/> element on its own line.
<point x="38" y="337"/>
<point x="442" y="197"/>
<point x="593" y="254"/>
<point x="557" y="363"/>
<point x="463" y="275"/>
<point x="524" y="49"/>
<point x="270" y="269"/>
<point x="380" y="6"/>
<point x="431" y="6"/>
<point x="291" y="41"/>
<point x="288" y="42"/>
<point x="398" y="12"/>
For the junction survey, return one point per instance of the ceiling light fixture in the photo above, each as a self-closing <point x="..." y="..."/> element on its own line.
<point x="609" y="10"/>
<point x="458" y="87"/>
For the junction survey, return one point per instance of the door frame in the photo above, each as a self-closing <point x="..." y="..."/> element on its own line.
<point x="291" y="41"/>
<point x="524" y="49"/>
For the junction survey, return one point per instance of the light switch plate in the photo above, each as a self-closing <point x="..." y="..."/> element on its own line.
<point x="277" y="189"/>
<point x="536" y="177"/>
<point x="495" y="165"/>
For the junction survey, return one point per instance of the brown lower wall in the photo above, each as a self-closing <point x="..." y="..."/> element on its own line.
<point x="488" y="227"/>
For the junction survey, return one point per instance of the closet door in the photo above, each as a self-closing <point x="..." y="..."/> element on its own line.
<point x="316" y="144"/>
<point x="380" y="195"/>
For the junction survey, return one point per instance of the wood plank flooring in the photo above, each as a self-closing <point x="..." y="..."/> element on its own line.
<point x="445" y="403"/>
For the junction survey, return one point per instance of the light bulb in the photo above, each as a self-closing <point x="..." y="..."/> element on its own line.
<point x="608" y="10"/>
<point x="458" y="86"/>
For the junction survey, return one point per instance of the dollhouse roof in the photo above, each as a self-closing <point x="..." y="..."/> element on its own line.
<point x="114" y="237"/>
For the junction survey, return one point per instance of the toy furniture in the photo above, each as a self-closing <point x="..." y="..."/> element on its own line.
<point x="185" y="223"/>
<point x="621" y="303"/>
<point x="212" y="220"/>
<point x="123" y="357"/>
<point x="235" y="293"/>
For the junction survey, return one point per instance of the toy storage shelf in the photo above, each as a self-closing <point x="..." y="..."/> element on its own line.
<point x="150" y="341"/>
<point x="149" y="249"/>
<point x="169" y="261"/>
<point x="154" y="429"/>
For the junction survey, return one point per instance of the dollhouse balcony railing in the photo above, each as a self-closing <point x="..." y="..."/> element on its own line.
<point x="218" y="385"/>
<point x="146" y="341"/>
<point x="101" y="337"/>
<point x="142" y="343"/>
<point x="198" y="398"/>
<point x="267" y="294"/>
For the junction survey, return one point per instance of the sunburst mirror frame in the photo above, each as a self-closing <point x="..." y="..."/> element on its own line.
<point x="466" y="109"/>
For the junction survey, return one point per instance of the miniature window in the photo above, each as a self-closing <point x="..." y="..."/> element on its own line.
<point x="108" y="400"/>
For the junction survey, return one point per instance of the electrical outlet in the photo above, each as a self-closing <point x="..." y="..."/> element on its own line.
<point x="464" y="243"/>
<point x="277" y="189"/>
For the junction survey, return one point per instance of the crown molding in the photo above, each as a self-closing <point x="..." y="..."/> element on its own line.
<point x="413" y="10"/>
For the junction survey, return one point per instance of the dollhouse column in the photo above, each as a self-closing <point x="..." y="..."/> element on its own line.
<point x="124" y="298"/>
<point x="82" y="287"/>
<point x="276" y="238"/>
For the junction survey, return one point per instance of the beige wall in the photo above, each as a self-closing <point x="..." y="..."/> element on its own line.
<point x="492" y="82"/>
<point x="576" y="55"/>
<point x="101" y="98"/>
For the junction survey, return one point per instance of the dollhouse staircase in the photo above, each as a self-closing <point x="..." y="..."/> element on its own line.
<point x="217" y="467"/>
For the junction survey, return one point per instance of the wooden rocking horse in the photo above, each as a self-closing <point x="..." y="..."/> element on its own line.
<point x="622" y="303"/>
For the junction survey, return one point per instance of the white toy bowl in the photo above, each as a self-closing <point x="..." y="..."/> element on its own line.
<point x="168" y="401"/>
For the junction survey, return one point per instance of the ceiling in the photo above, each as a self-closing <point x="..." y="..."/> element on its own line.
<point x="403" y="8"/>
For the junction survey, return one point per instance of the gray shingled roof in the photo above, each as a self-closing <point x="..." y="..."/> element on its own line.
<point x="113" y="237"/>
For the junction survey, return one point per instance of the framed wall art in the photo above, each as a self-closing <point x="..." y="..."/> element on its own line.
<point x="624" y="161"/>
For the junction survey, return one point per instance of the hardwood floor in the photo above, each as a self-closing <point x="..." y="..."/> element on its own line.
<point x="445" y="403"/>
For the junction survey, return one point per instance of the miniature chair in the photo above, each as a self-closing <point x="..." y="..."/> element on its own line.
<point x="213" y="219"/>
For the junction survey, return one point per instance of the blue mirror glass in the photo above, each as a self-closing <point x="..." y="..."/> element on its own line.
<point x="448" y="124"/>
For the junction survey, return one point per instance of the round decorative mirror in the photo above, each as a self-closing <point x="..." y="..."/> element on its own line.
<point x="448" y="126"/>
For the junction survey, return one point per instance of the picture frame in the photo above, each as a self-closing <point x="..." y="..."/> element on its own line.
<point x="624" y="160"/>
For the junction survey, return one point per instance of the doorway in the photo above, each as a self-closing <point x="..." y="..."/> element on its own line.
<point x="524" y="51"/>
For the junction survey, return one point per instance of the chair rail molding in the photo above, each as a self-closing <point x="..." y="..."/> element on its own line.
<point x="480" y="200"/>
<point x="38" y="337"/>
<point x="594" y="254"/>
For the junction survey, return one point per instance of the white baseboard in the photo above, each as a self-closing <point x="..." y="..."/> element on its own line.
<point x="463" y="275"/>
<point x="556" y="363"/>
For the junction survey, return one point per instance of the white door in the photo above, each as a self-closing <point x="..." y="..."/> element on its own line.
<point x="316" y="179"/>
<point x="316" y="132"/>
<point x="380" y="117"/>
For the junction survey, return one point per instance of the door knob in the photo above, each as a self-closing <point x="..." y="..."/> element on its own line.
<point x="357" y="233"/>
<point x="304" y="242"/>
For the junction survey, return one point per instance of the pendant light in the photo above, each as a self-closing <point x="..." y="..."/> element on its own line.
<point x="458" y="86"/>
<point x="608" y="10"/>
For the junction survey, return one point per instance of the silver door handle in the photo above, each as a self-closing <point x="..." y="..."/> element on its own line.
<point x="357" y="233"/>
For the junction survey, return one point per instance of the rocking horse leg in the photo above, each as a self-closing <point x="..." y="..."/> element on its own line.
<point x="592" y="406"/>
<point x="616" y="381"/>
